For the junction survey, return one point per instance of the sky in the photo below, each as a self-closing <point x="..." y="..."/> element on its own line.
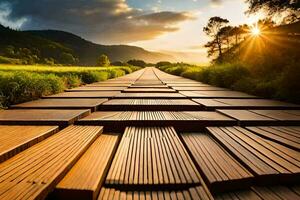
<point x="156" y="25"/>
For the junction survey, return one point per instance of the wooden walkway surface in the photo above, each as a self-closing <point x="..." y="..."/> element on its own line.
<point x="150" y="135"/>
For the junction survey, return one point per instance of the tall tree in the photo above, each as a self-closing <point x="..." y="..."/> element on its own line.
<point x="215" y="29"/>
<point x="290" y="8"/>
<point x="103" y="61"/>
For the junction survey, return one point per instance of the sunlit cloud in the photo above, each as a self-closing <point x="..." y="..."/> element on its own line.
<point x="102" y="21"/>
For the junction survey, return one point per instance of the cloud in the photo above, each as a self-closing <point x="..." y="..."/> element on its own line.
<point x="216" y="2"/>
<point x="104" y="21"/>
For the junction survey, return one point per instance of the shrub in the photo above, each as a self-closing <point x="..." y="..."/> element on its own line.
<point x="103" y="61"/>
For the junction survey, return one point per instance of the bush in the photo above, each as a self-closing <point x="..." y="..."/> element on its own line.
<point x="138" y="63"/>
<point x="23" y="83"/>
<point x="24" y="86"/>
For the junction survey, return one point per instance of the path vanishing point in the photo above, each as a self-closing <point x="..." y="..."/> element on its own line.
<point x="150" y="135"/>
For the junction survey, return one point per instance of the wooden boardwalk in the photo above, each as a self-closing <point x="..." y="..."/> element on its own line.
<point x="150" y="135"/>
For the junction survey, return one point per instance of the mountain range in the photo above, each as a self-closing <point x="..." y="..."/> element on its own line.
<point x="59" y="46"/>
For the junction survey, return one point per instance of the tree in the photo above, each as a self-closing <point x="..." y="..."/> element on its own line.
<point x="103" y="61"/>
<point x="163" y="63"/>
<point x="289" y="8"/>
<point x="138" y="63"/>
<point x="67" y="58"/>
<point x="215" y="30"/>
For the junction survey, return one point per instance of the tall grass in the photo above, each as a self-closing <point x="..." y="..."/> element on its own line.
<point x="24" y="83"/>
<point x="237" y="76"/>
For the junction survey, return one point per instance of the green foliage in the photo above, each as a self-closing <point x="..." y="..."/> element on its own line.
<point x="23" y="83"/>
<point x="283" y="85"/>
<point x="19" y="86"/>
<point x="5" y="60"/>
<point x="103" y="61"/>
<point x="138" y="63"/>
<point x="162" y="63"/>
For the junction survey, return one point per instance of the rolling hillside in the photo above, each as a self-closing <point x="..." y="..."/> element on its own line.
<point x="42" y="46"/>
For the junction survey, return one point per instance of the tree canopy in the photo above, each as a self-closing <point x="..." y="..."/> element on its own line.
<point x="103" y="61"/>
<point x="289" y="8"/>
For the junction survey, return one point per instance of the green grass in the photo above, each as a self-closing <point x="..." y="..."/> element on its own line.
<point x="24" y="83"/>
<point x="236" y="76"/>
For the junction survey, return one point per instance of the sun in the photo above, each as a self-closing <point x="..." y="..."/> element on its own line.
<point x="255" y="31"/>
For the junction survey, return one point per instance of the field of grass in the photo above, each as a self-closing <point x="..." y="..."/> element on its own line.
<point x="24" y="83"/>
<point x="283" y="85"/>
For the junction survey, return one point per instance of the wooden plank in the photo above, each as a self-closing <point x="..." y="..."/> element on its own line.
<point x="196" y="84"/>
<point x="149" y="105"/>
<point x="178" y="168"/>
<point x="85" y="179"/>
<point x="220" y="170"/>
<point x="186" y="121"/>
<point x="286" y="136"/>
<point x="15" y="139"/>
<point x="88" y="95"/>
<point x="148" y="86"/>
<point x="92" y="104"/>
<point x="199" y="88"/>
<point x="41" y="117"/>
<point x="109" y="84"/>
<point x="150" y="95"/>
<point x="151" y="90"/>
<point x="247" y="118"/>
<point x="268" y="160"/>
<point x="212" y="104"/>
<point x="284" y="117"/>
<point x="217" y="94"/>
<point x="195" y="193"/>
<point x="259" y="193"/>
<point x="95" y="88"/>
<point x="33" y="173"/>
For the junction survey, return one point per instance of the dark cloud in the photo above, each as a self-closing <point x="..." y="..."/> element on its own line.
<point x="105" y="21"/>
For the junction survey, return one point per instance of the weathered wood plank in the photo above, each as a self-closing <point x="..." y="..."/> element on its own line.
<point x="199" y="88"/>
<point x="217" y="94"/>
<point x="41" y="117"/>
<point x="86" y="177"/>
<point x="220" y="170"/>
<point x="287" y="136"/>
<point x="92" y="104"/>
<point x="149" y="105"/>
<point x="95" y="89"/>
<point x="268" y="160"/>
<point x="15" y="139"/>
<point x="247" y="118"/>
<point x="149" y="90"/>
<point x="187" y="121"/>
<point x="150" y="96"/>
<point x="212" y="104"/>
<point x="90" y="94"/>
<point x="193" y="193"/>
<point x="168" y="169"/>
<point x="33" y="173"/>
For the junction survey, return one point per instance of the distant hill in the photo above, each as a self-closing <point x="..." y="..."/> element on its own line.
<point x="88" y="51"/>
<point x="30" y="48"/>
<point x="63" y="47"/>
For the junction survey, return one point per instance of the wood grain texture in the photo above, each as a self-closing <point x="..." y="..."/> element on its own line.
<point x="84" y="180"/>
<point x="14" y="139"/>
<point x="41" y="117"/>
<point x="92" y="104"/>
<point x="151" y="157"/>
<point x="33" y="173"/>
<point x="221" y="170"/>
<point x="268" y="160"/>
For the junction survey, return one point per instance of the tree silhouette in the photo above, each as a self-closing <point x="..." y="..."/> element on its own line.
<point x="215" y="29"/>
<point x="291" y="8"/>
